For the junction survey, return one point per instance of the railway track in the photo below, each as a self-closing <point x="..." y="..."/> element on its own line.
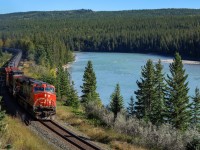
<point x="77" y="142"/>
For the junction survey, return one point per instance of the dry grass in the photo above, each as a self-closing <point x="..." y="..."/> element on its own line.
<point x="91" y="128"/>
<point x="21" y="138"/>
<point x="124" y="146"/>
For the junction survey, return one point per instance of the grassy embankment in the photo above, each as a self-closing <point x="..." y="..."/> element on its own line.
<point x="78" y="119"/>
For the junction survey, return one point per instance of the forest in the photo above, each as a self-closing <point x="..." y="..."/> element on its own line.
<point x="46" y="35"/>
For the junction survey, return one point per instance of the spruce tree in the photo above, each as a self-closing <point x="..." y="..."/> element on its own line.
<point x="158" y="104"/>
<point x="58" y="86"/>
<point x="89" y="85"/>
<point x="73" y="99"/>
<point x="196" y="108"/>
<point x="116" y="103"/>
<point x="146" y="92"/>
<point x="177" y="95"/>
<point x="65" y="83"/>
<point x="62" y="82"/>
<point x="130" y="108"/>
<point x="1" y="54"/>
<point x="140" y="103"/>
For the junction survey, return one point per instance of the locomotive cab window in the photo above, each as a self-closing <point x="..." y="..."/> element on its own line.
<point x="38" y="89"/>
<point x="49" y="89"/>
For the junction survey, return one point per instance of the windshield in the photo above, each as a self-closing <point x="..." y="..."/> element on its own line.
<point x="38" y="89"/>
<point x="49" y="89"/>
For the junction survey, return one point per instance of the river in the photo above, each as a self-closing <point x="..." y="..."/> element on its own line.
<point x="125" y="69"/>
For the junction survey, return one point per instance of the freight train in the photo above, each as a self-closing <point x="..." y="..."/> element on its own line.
<point x="37" y="97"/>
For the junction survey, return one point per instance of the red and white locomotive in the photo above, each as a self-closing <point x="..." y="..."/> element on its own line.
<point x="37" y="97"/>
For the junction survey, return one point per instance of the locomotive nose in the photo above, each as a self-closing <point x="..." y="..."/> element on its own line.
<point x="46" y="100"/>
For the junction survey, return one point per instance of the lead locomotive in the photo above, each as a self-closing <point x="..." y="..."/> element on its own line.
<point x="37" y="97"/>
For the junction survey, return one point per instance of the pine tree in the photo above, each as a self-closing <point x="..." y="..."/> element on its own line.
<point x="140" y="104"/>
<point x="63" y="82"/>
<point x="158" y="104"/>
<point x="146" y="92"/>
<point x="58" y="82"/>
<point x="1" y="54"/>
<point x="196" y="108"/>
<point x="116" y="103"/>
<point x="177" y="95"/>
<point x="89" y="85"/>
<point x="73" y="99"/>
<point x="130" y="108"/>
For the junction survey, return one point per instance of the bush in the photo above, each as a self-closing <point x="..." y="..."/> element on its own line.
<point x="103" y="114"/>
<point x="146" y="134"/>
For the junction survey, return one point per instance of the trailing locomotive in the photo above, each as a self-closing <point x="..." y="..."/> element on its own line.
<point x="37" y="97"/>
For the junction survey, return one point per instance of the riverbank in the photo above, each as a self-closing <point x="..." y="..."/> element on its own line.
<point x="67" y="66"/>
<point x="187" y="62"/>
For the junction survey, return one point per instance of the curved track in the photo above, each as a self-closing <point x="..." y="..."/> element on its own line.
<point x="77" y="142"/>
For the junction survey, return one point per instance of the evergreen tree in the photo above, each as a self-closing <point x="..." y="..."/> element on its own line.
<point x="58" y="93"/>
<point x="130" y="108"/>
<point x="196" y="108"/>
<point x="158" y="104"/>
<point x="1" y="54"/>
<point x="146" y="92"/>
<point x="116" y="103"/>
<point x="89" y="85"/>
<point x="63" y="82"/>
<point x="73" y="99"/>
<point x="140" y="103"/>
<point x="58" y="82"/>
<point x="177" y="95"/>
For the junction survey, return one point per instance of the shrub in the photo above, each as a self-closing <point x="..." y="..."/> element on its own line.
<point x="146" y="134"/>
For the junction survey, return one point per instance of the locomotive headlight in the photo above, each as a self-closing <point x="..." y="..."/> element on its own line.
<point x="45" y="95"/>
<point x="48" y="96"/>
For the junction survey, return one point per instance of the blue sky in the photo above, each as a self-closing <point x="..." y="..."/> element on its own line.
<point x="9" y="6"/>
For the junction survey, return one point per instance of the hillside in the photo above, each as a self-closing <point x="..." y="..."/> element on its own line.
<point x="161" y="31"/>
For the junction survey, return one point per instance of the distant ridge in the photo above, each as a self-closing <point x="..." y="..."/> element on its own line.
<point x="90" y="13"/>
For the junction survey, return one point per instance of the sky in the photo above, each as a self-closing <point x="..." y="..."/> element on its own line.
<point x="10" y="6"/>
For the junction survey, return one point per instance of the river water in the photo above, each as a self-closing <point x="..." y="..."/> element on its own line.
<point x="125" y="69"/>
